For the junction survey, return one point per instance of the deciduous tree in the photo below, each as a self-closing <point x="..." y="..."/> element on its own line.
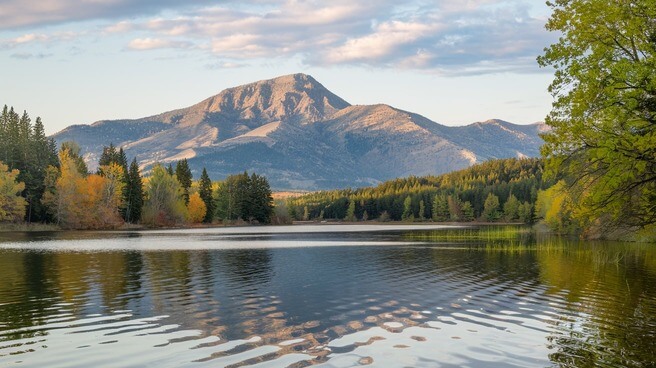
<point x="12" y="205"/>
<point x="603" y="137"/>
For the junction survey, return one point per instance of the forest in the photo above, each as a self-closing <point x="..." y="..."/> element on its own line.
<point x="497" y="190"/>
<point x="42" y="184"/>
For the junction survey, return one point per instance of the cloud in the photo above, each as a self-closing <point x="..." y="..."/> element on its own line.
<point x="38" y="38"/>
<point x="449" y="37"/>
<point x="29" y="55"/>
<point x="30" y="13"/>
<point x="140" y="44"/>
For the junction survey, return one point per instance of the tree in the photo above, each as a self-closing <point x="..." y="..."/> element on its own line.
<point x="467" y="212"/>
<point x="83" y="202"/>
<point x="205" y="192"/>
<point x="196" y="208"/>
<point x="422" y="210"/>
<point x="12" y="205"/>
<point x="407" y="210"/>
<point x="511" y="208"/>
<point x="73" y="153"/>
<point x="164" y="202"/>
<point x="491" y="208"/>
<point x="455" y="208"/>
<point x="133" y="194"/>
<point x="603" y="136"/>
<point x="440" y="208"/>
<point x="183" y="173"/>
<point x="261" y="199"/>
<point x="350" y="212"/>
<point x="245" y="197"/>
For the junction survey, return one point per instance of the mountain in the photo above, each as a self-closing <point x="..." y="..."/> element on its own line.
<point x="302" y="136"/>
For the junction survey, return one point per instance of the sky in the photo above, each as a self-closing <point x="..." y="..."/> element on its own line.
<point x="453" y="61"/>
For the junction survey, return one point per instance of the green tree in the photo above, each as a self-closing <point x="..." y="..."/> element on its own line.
<point x="603" y="136"/>
<point x="350" y="212"/>
<point x="491" y="208"/>
<point x="164" y="203"/>
<point x="407" y="210"/>
<point x="440" y="208"/>
<point x="422" y="210"/>
<point x="133" y="194"/>
<point x="467" y="212"/>
<point x="183" y="173"/>
<point x="205" y="191"/>
<point x="12" y="205"/>
<point x="260" y="199"/>
<point x="511" y="208"/>
<point x="455" y="208"/>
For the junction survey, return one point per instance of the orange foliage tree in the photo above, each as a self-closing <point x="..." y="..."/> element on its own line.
<point x="196" y="208"/>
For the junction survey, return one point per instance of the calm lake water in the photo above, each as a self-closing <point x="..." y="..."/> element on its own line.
<point x="329" y="296"/>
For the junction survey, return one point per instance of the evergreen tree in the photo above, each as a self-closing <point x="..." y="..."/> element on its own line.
<point x="491" y="208"/>
<point x="205" y="191"/>
<point x="133" y="194"/>
<point x="261" y="199"/>
<point x="109" y="155"/>
<point x="73" y="153"/>
<point x="440" y="208"/>
<point x="511" y="208"/>
<point x="467" y="212"/>
<point x="455" y="208"/>
<point x="183" y="173"/>
<point x="422" y="210"/>
<point x="350" y="212"/>
<point x="407" y="210"/>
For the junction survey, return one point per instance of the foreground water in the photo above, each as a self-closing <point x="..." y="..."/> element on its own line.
<point x="334" y="296"/>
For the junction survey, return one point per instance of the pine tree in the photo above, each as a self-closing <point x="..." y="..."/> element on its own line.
<point x="440" y="208"/>
<point x="183" y="173"/>
<point x="133" y="194"/>
<point x="205" y="191"/>
<point x="491" y="208"/>
<point x="407" y="210"/>
<point x="350" y="212"/>
<point x="261" y="199"/>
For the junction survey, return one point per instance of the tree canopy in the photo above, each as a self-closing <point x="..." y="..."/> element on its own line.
<point x="603" y="137"/>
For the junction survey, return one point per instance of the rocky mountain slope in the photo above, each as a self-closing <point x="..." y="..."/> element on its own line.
<point x="302" y="136"/>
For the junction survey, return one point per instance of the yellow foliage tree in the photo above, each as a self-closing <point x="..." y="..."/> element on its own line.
<point x="554" y="206"/>
<point x="196" y="208"/>
<point x="12" y="205"/>
<point x="90" y="202"/>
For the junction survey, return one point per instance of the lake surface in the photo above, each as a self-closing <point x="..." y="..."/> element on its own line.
<point x="328" y="296"/>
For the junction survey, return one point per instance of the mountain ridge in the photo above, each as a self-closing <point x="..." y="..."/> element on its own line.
<point x="302" y="136"/>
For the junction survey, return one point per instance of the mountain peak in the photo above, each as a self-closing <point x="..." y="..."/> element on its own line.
<point x="294" y="97"/>
<point x="300" y="135"/>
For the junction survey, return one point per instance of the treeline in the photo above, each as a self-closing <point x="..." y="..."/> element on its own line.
<point x="39" y="183"/>
<point x="25" y="148"/>
<point x="492" y="191"/>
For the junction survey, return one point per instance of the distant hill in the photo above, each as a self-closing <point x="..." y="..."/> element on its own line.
<point x="302" y="136"/>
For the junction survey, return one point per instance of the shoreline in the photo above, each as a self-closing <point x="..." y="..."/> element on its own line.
<point x="39" y="227"/>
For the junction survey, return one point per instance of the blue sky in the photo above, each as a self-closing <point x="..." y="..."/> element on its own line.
<point x="453" y="61"/>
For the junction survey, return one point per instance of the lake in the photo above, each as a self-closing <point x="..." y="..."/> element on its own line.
<point x="324" y="295"/>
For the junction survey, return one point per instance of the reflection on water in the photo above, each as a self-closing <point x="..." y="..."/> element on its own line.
<point x="242" y="297"/>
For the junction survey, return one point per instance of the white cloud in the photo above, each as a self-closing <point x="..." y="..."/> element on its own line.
<point x="441" y="36"/>
<point x="140" y="44"/>
<point x="381" y="44"/>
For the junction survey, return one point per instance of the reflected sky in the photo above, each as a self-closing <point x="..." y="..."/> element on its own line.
<point x="325" y="300"/>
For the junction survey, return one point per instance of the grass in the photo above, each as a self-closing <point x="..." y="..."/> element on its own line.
<point x="482" y="233"/>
